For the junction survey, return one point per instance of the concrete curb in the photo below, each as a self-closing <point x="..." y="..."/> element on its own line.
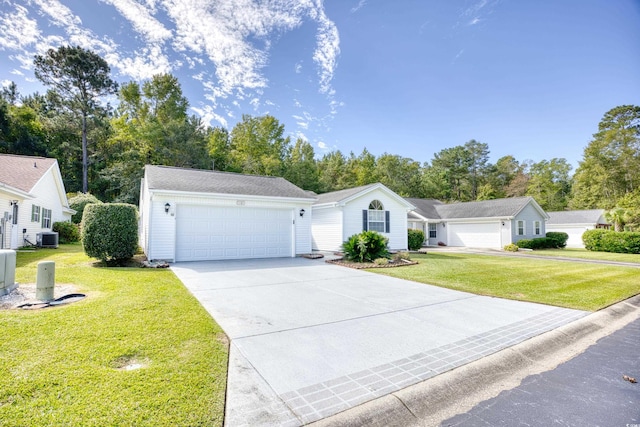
<point x="457" y="391"/>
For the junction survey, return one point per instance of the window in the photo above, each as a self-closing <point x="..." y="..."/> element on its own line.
<point x="520" y="228"/>
<point x="46" y="218"/>
<point x="536" y="227"/>
<point x="376" y="220"/>
<point x="35" y="213"/>
<point x="432" y="230"/>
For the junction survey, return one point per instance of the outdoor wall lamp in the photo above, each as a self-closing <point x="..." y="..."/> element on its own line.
<point x="166" y="207"/>
<point x="13" y="202"/>
<point x="503" y="223"/>
<point x="301" y="212"/>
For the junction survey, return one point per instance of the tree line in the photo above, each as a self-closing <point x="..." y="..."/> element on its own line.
<point x="102" y="148"/>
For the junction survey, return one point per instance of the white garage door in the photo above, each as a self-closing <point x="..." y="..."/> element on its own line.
<point x="575" y="235"/>
<point x="479" y="235"/>
<point x="217" y="233"/>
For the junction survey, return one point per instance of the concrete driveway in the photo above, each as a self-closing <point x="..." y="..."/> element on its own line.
<point x="311" y="339"/>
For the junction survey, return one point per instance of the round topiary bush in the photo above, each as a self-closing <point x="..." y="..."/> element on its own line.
<point x="78" y="203"/>
<point x="68" y="232"/>
<point x="511" y="247"/>
<point x="365" y="247"/>
<point x="110" y="231"/>
<point x="415" y="238"/>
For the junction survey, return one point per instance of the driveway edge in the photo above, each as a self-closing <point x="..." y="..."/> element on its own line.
<point x="457" y="391"/>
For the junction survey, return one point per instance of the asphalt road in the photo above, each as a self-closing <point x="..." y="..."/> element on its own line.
<point x="588" y="390"/>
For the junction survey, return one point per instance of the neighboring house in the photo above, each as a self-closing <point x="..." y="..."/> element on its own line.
<point x="195" y="215"/>
<point x="483" y="224"/>
<point x="32" y="198"/>
<point x="341" y="214"/>
<point x="575" y="223"/>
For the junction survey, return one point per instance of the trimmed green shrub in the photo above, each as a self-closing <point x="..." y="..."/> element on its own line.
<point x="558" y="238"/>
<point x="592" y="239"/>
<point x="540" y="243"/>
<point x="525" y="243"/>
<point x="78" y="203"/>
<point x="381" y="261"/>
<point x="415" y="238"/>
<point x="68" y="232"/>
<point x="365" y="247"/>
<point x="624" y="242"/>
<point x="511" y="247"/>
<point x="110" y="231"/>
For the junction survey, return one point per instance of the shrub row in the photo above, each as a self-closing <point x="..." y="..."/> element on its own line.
<point x="624" y="242"/>
<point x="415" y="239"/>
<point x="68" y="232"/>
<point x="553" y="240"/>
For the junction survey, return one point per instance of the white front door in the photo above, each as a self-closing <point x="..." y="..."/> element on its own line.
<point x="230" y="232"/>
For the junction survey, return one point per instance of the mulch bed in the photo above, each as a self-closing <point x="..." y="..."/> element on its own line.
<point x="361" y="265"/>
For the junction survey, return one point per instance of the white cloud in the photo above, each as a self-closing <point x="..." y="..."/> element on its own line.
<point x="298" y="68"/>
<point x="327" y="51"/>
<point x="59" y="14"/>
<point x="321" y="145"/>
<point x="359" y="6"/>
<point x="474" y="21"/>
<point x="209" y="116"/>
<point x="17" y="72"/>
<point x="143" y="22"/>
<point x="17" y="31"/>
<point x="143" y="64"/>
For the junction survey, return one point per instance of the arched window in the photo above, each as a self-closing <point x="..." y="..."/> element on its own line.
<point x="376" y="217"/>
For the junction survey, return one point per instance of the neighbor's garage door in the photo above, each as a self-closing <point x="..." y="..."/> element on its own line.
<point x="217" y="233"/>
<point x="575" y="235"/>
<point x="480" y="235"/>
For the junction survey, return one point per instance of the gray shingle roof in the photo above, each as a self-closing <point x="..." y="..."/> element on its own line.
<point x="426" y="207"/>
<point x="434" y="209"/>
<point x="590" y="216"/>
<point x="23" y="172"/>
<point x="338" y="196"/>
<point x="206" y="181"/>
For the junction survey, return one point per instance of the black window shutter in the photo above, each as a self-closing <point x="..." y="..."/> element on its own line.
<point x="387" y="225"/>
<point x="365" y="222"/>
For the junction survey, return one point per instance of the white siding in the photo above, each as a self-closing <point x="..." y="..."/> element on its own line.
<point x="303" y="230"/>
<point x="397" y="217"/>
<point x="48" y="194"/>
<point x="327" y="229"/>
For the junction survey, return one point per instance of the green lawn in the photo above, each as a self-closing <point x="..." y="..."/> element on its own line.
<point x="58" y="366"/>
<point x="565" y="284"/>
<point x="585" y="254"/>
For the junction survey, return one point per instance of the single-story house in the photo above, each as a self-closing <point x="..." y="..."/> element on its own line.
<point x="340" y="214"/>
<point x="32" y="198"/>
<point x="575" y="223"/>
<point x="483" y="224"/>
<point x="196" y="215"/>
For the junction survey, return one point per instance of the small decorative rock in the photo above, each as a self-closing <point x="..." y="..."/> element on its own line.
<point x="155" y="264"/>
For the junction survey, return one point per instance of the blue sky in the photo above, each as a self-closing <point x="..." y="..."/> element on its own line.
<point x="411" y="77"/>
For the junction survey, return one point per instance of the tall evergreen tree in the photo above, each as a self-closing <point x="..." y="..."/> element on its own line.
<point x="80" y="77"/>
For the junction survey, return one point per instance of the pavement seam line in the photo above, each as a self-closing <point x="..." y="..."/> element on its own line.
<point x="355" y="318"/>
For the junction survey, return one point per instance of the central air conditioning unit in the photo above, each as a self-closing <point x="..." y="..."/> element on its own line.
<point x="47" y="239"/>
